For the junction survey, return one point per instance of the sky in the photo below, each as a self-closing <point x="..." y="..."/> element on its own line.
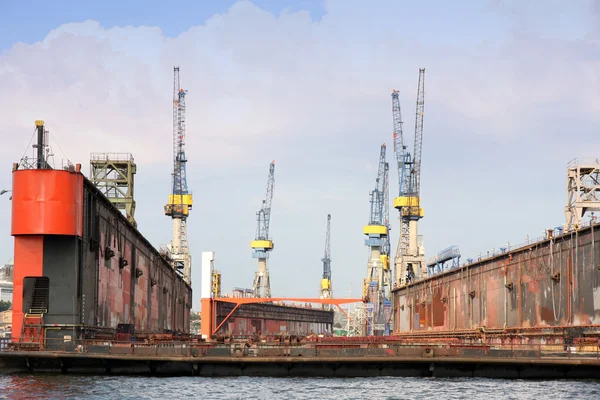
<point x="512" y="94"/>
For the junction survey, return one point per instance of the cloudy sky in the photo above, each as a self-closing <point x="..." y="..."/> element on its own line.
<point x="512" y="94"/>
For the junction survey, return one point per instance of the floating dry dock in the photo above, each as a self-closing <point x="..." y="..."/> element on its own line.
<point x="336" y="358"/>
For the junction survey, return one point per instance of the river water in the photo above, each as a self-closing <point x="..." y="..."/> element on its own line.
<point x="25" y="386"/>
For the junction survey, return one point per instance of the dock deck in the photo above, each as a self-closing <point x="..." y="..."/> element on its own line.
<point x="310" y="360"/>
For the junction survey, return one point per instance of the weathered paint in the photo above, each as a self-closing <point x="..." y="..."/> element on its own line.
<point x="101" y="271"/>
<point x="29" y="253"/>
<point x="46" y="202"/>
<point x="270" y="319"/>
<point x="135" y="285"/>
<point x="550" y="284"/>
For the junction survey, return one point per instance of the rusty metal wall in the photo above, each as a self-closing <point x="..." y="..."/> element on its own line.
<point x="124" y="278"/>
<point x="267" y="319"/>
<point x="553" y="283"/>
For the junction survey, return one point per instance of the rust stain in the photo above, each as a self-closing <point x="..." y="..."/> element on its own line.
<point x="540" y="286"/>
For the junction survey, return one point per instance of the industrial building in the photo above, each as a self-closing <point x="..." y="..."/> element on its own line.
<point x="6" y="282"/>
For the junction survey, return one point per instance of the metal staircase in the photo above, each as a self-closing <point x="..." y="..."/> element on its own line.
<point x="32" y="334"/>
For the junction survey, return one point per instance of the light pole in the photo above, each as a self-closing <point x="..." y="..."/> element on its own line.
<point x="5" y="191"/>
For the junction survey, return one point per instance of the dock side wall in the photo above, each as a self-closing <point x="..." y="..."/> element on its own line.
<point x="553" y="283"/>
<point x="270" y="319"/>
<point x="124" y="277"/>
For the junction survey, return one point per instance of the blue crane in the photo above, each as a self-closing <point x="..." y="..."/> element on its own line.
<point x="180" y="200"/>
<point x="326" y="280"/>
<point x="262" y="244"/>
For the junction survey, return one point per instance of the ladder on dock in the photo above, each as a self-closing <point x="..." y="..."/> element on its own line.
<point x="33" y="333"/>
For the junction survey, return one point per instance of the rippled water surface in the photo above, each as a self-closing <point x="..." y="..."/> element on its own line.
<point x="103" y="387"/>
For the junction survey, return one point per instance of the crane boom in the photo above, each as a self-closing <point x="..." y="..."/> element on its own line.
<point x="179" y="158"/>
<point x="420" y="110"/>
<point x="327" y="256"/>
<point x="376" y="214"/>
<point x="385" y="250"/>
<point x="264" y="214"/>
<point x="402" y="156"/>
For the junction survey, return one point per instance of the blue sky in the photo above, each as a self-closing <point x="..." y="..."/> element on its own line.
<point x="512" y="94"/>
<point x="30" y="20"/>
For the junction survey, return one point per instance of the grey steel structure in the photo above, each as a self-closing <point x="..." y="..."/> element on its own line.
<point x="113" y="174"/>
<point x="326" y="280"/>
<point x="583" y="191"/>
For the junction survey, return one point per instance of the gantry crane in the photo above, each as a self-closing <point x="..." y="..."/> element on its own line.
<point x="262" y="245"/>
<point x="326" y="280"/>
<point x="180" y="200"/>
<point x="376" y="287"/>
<point x="410" y="255"/>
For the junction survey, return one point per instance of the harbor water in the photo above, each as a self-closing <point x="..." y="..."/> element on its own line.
<point x="46" y="386"/>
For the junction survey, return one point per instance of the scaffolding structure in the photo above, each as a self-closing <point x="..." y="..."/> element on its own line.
<point x="358" y="320"/>
<point x="583" y="191"/>
<point x="113" y="174"/>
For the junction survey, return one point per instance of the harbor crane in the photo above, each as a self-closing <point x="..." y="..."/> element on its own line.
<point x="376" y="287"/>
<point x="385" y="254"/>
<point x="409" y="263"/>
<point x="180" y="199"/>
<point x="326" y="280"/>
<point x="262" y="244"/>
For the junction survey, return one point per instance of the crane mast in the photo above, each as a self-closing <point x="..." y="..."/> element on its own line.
<point x="386" y="247"/>
<point x="326" y="280"/>
<point x="410" y="254"/>
<point x="180" y="200"/>
<point x="385" y="254"/>
<point x="262" y="244"/>
<point x="376" y="286"/>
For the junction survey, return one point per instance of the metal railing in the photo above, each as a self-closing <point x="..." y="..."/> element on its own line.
<point x="444" y="255"/>
<point x="494" y="252"/>
<point x="126" y="157"/>
<point x="329" y="349"/>
<point x="584" y="161"/>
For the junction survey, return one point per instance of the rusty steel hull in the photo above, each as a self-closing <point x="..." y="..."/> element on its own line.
<point x="547" y="291"/>
<point x="135" y="285"/>
<point x="81" y="268"/>
<point x="270" y="319"/>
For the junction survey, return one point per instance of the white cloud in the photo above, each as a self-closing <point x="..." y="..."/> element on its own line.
<point x="315" y="95"/>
